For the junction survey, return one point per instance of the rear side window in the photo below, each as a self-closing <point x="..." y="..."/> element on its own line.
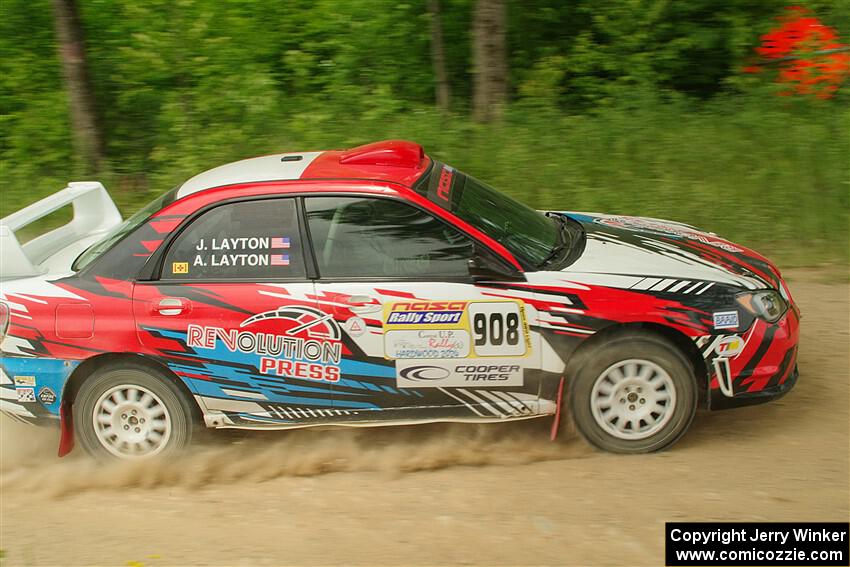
<point x="235" y="241"/>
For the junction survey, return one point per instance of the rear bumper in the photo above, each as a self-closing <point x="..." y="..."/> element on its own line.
<point x="31" y="388"/>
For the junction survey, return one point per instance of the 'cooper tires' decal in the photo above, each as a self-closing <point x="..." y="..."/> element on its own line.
<point x="469" y="373"/>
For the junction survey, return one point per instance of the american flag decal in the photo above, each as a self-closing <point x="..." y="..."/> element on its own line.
<point x="280" y="242"/>
<point x="279" y="259"/>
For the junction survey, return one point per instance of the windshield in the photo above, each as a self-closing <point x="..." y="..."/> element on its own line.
<point x="525" y="232"/>
<point x="123" y="229"/>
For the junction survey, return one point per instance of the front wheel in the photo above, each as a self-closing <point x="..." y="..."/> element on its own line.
<point x="635" y="394"/>
<point x="131" y="412"/>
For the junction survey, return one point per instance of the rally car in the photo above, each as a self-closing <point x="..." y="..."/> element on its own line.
<point x="375" y="286"/>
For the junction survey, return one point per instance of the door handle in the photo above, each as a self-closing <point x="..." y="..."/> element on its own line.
<point x="363" y="304"/>
<point x="173" y="306"/>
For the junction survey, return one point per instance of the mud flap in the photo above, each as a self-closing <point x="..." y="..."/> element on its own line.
<point x="556" y="422"/>
<point x="66" y="429"/>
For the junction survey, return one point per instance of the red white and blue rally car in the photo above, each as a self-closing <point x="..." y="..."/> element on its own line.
<point x="375" y="286"/>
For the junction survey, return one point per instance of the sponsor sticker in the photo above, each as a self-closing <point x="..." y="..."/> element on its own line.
<point x="477" y="329"/>
<point x="26" y="395"/>
<point x="420" y="313"/>
<point x="47" y="396"/>
<point x="444" y="186"/>
<point x="726" y="320"/>
<point x="459" y="373"/>
<point x="440" y="187"/>
<point x="424" y="373"/>
<point x="292" y="341"/>
<point x="427" y="343"/>
<point x="654" y="226"/>
<point x="729" y="346"/>
<point x="25" y="381"/>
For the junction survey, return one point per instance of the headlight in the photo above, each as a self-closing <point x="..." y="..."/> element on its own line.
<point x="767" y="304"/>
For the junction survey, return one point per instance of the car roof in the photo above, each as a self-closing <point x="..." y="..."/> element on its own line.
<point x="397" y="161"/>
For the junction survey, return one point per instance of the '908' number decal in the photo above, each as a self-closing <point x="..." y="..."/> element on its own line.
<point x="497" y="329"/>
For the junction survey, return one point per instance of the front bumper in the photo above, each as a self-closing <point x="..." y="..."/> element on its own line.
<point x="721" y="402"/>
<point x="765" y="369"/>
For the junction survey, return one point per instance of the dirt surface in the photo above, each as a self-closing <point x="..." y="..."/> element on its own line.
<point x="432" y="495"/>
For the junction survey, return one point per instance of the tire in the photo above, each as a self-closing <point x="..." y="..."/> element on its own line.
<point x="108" y="428"/>
<point x="636" y="393"/>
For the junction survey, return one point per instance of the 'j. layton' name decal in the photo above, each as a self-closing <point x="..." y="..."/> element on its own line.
<point x="244" y="243"/>
<point x="280" y="355"/>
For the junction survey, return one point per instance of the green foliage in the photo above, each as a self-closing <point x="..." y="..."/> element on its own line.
<point x="34" y="123"/>
<point x="627" y="106"/>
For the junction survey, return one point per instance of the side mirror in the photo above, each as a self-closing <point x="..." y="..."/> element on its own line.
<point x="484" y="268"/>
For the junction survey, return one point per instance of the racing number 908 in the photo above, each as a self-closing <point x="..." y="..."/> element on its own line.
<point x="497" y="328"/>
<point x="493" y="329"/>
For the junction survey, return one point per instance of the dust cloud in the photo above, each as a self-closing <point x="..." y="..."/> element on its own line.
<point x="23" y="446"/>
<point x="28" y="461"/>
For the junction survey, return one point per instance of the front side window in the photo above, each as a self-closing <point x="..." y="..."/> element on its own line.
<point x="235" y="241"/>
<point x="375" y="238"/>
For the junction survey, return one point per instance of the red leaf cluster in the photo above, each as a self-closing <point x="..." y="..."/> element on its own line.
<point x="803" y="47"/>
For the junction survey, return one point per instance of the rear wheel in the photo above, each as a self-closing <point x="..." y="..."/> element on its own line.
<point x="635" y="394"/>
<point x="131" y="412"/>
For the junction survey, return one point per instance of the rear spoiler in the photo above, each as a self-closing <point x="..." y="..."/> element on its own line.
<point x="94" y="214"/>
